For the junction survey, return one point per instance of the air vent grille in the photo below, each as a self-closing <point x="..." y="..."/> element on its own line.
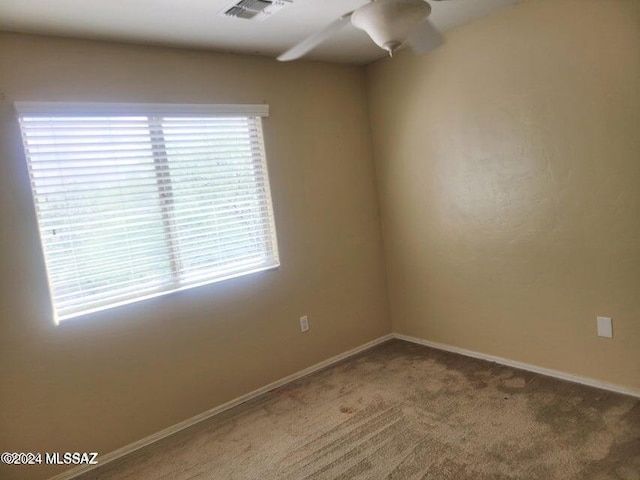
<point x="254" y="9"/>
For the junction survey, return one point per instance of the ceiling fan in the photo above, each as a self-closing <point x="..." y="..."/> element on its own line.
<point x="391" y="24"/>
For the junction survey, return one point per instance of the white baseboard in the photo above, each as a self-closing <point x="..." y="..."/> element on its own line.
<point x="121" y="452"/>
<point x="522" y="366"/>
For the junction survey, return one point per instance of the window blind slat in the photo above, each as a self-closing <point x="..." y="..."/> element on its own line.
<point x="187" y="280"/>
<point x="226" y="163"/>
<point x="110" y="270"/>
<point x="189" y="211"/>
<point x="78" y="145"/>
<point x="202" y="175"/>
<point x="136" y="200"/>
<point x="120" y="244"/>
<point x="202" y="273"/>
<point x="125" y="156"/>
<point x="227" y="132"/>
<point x="87" y="123"/>
<point x="230" y="166"/>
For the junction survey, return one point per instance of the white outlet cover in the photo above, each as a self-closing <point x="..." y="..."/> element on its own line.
<point x="304" y="323"/>
<point x="605" y="327"/>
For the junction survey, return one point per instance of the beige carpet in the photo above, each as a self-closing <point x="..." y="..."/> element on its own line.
<point x="402" y="411"/>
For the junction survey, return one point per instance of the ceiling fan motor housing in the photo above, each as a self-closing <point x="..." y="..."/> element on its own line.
<point x="389" y="22"/>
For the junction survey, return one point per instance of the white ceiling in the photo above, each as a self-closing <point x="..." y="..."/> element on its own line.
<point x="197" y="24"/>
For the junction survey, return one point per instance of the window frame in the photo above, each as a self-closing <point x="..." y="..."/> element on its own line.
<point x="152" y="112"/>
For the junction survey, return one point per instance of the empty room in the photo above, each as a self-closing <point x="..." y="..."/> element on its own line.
<point x="320" y="239"/>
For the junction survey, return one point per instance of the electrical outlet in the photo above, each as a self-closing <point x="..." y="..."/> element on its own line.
<point x="304" y="324"/>
<point x="605" y="327"/>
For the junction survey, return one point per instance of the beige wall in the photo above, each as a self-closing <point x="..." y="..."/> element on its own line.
<point x="508" y="166"/>
<point x="104" y="381"/>
<point x="509" y="181"/>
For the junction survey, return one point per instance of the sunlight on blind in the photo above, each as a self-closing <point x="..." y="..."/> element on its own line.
<point x="135" y="206"/>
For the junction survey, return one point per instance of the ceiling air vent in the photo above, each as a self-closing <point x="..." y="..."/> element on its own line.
<point x="254" y="9"/>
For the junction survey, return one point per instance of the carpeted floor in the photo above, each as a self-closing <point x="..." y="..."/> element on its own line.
<point x="402" y="411"/>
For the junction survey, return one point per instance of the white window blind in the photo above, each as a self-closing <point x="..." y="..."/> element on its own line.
<point x="134" y="201"/>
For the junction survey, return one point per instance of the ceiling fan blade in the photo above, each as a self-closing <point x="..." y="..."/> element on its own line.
<point x="309" y="43"/>
<point x="424" y="37"/>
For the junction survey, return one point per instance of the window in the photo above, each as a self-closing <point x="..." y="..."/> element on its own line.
<point x="135" y="201"/>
